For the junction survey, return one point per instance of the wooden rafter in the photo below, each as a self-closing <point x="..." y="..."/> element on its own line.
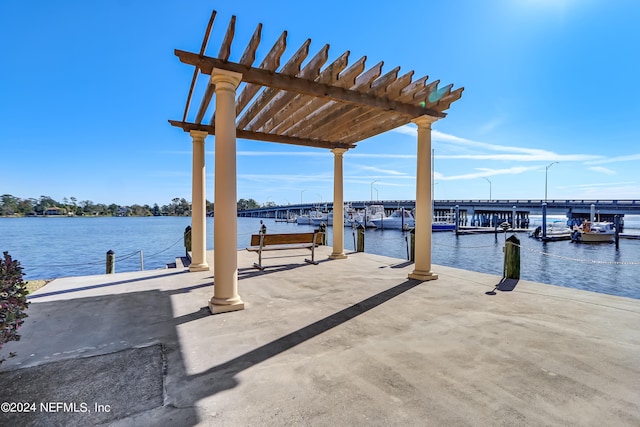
<point x="312" y="104"/>
<point x="292" y="67"/>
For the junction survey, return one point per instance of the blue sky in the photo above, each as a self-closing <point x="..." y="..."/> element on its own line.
<point x="86" y="89"/>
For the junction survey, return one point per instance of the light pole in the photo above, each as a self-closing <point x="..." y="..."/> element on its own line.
<point x="373" y="182"/>
<point x="489" y="181"/>
<point x="301" y="195"/>
<point x="377" y="194"/>
<point x="546" y="172"/>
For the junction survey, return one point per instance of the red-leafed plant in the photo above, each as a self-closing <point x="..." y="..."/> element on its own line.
<point x="13" y="299"/>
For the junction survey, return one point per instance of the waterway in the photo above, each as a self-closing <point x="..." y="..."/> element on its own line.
<point x="59" y="247"/>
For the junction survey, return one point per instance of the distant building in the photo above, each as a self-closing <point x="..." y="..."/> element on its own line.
<point x="123" y="211"/>
<point x="53" y="211"/>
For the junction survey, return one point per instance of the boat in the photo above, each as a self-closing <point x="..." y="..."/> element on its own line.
<point x="351" y="216"/>
<point x="291" y="217"/>
<point x="371" y="212"/>
<point x="312" y="218"/>
<point x="594" y="232"/>
<point x="556" y="230"/>
<point x="446" y="223"/>
<point x="400" y="219"/>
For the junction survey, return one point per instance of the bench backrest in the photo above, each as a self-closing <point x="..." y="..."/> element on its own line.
<point x="283" y="239"/>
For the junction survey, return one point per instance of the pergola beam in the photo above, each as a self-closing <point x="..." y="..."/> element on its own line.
<point x="295" y="84"/>
<point x="267" y="137"/>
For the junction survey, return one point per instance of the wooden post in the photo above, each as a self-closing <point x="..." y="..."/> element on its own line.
<point x="322" y="228"/>
<point x="616" y="224"/>
<point x="512" y="258"/>
<point x="360" y="247"/>
<point x="412" y="252"/>
<point x="111" y="262"/>
<point x="187" y="240"/>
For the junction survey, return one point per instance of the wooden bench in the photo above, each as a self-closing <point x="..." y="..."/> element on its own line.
<point x="277" y="242"/>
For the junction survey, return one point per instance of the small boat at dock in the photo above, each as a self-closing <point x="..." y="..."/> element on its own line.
<point x="556" y="230"/>
<point x="594" y="232"/>
<point x="400" y="219"/>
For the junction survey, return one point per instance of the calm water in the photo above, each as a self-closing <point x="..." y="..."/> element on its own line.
<point x="58" y="247"/>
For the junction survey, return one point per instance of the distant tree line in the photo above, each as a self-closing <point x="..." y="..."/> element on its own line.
<point x="16" y="206"/>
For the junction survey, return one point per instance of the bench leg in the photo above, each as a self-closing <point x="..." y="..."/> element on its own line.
<point x="258" y="265"/>
<point x="313" y="254"/>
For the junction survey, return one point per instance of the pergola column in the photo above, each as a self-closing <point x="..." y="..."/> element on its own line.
<point x="198" y="205"/>
<point x="338" y="205"/>
<point x="225" y="222"/>
<point x="422" y="267"/>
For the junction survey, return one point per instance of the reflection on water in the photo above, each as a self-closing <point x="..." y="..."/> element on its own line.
<point x="58" y="247"/>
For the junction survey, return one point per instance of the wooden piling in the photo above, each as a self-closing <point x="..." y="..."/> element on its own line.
<point x="412" y="235"/>
<point x="512" y="258"/>
<point x="360" y="246"/>
<point x="111" y="262"/>
<point x="187" y="240"/>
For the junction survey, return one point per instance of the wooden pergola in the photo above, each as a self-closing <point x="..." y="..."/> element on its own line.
<point x="309" y="104"/>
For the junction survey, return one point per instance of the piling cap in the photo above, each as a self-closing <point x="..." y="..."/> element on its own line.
<point x="110" y="252"/>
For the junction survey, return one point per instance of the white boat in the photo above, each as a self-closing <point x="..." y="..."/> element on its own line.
<point x="594" y="232"/>
<point x="400" y="219"/>
<point x="350" y="216"/>
<point x="314" y="217"/>
<point x="371" y="212"/>
<point x="556" y="230"/>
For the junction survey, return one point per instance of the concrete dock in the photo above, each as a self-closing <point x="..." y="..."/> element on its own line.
<point x="345" y="342"/>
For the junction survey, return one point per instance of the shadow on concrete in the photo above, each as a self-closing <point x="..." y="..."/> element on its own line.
<point x="507" y="285"/>
<point x="222" y="377"/>
<point x="103" y="285"/>
<point x="402" y="264"/>
<point x="125" y="322"/>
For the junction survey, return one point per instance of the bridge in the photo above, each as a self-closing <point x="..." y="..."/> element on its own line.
<point x="474" y="212"/>
<point x="554" y="207"/>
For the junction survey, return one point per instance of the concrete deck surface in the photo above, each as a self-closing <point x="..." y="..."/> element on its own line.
<point x="346" y="342"/>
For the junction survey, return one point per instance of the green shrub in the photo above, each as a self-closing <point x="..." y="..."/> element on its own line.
<point x="13" y="299"/>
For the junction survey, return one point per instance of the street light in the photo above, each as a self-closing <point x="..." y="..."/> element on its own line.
<point x="301" y="195"/>
<point x="377" y="194"/>
<point x="373" y="182"/>
<point x="545" y="179"/>
<point x="489" y="181"/>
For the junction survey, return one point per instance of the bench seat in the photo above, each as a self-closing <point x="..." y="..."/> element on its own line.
<point x="278" y="242"/>
<point x="281" y="247"/>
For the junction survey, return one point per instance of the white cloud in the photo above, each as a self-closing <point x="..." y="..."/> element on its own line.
<point x="485" y="173"/>
<point x="284" y="178"/>
<point x="599" y="184"/>
<point x="411" y="130"/>
<point x="602" y="169"/>
<point x="537" y="157"/>
<point x="284" y="153"/>
<point x="628" y="158"/>
<point x="381" y="156"/>
<point x="379" y="170"/>
<point x="505" y="152"/>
